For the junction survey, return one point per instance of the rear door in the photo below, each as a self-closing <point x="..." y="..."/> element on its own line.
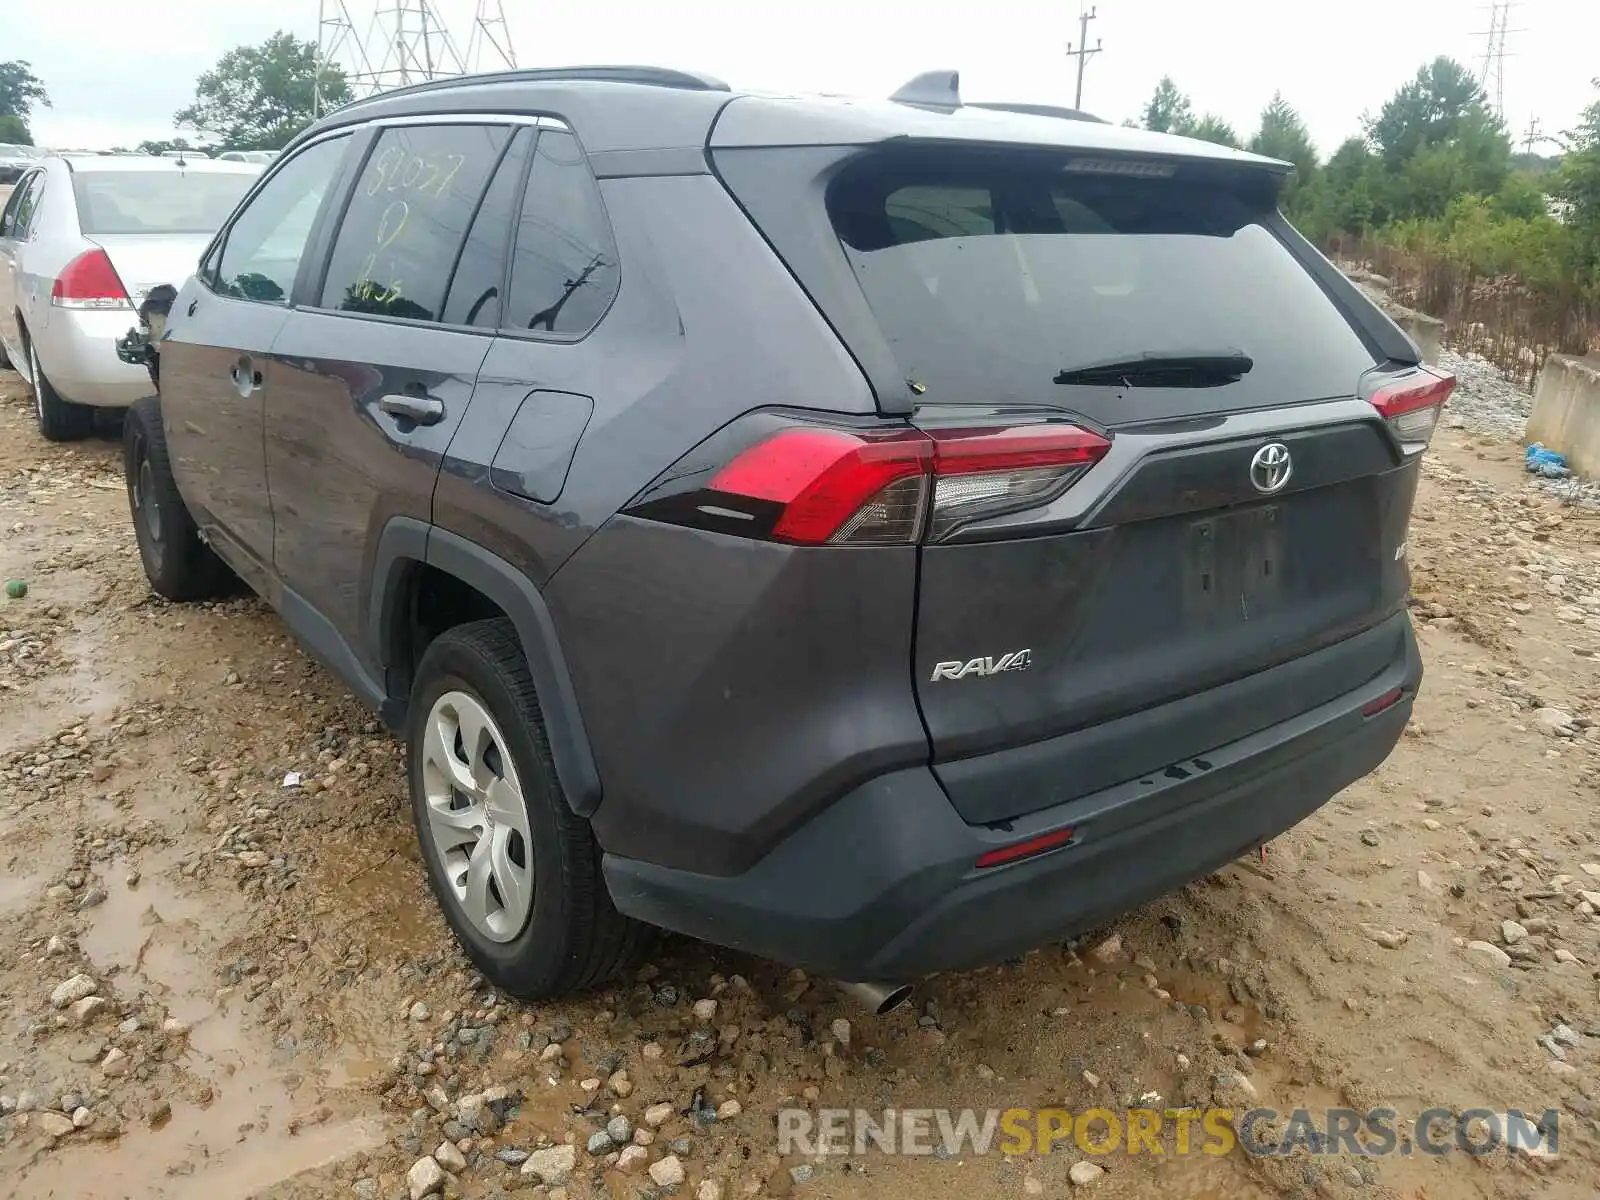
<point x="14" y="221"/>
<point x="215" y="352"/>
<point x="371" y="377"/>
<point x="1249" y="511"/>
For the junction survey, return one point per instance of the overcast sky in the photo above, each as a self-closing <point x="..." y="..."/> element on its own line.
<point x="118" y="73"/>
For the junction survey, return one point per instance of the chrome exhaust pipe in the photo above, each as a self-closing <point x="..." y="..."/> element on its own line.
<point x="876" y="998"/>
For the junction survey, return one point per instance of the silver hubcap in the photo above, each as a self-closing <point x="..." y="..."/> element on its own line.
<point x="476" y="819"/>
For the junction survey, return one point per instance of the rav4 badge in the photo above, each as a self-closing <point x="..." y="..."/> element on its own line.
<point x="1014" y="660"/>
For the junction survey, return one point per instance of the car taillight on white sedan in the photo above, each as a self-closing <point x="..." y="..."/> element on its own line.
<point x="90" y="281"/>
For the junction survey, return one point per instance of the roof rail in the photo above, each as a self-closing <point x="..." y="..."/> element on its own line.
<point x="1039" y="110"/>
<point x="645" y="76"/>
<point x="938" y="90"/>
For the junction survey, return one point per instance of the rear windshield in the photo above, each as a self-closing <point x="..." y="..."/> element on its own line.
<point x="161" y="201"/>
<point x="990" y="279"/>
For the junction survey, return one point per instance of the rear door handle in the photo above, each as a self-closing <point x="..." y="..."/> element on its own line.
<point x="421" y="410"/>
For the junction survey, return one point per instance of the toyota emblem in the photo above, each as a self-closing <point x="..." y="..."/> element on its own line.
<point x="1270" y="468"/>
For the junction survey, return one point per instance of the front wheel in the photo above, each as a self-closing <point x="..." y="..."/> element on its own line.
<point x="515" y="870"/>
<point x="178" y="564"/>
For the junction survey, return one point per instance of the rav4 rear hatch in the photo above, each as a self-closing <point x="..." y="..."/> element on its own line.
<point x="1226" y="506"/>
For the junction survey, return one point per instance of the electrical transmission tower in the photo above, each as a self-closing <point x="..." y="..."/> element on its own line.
<point x="1084" y="52"/>
<point x="489" y="44"/>
<point x="1492" y="69"/>
<point x="338" y="46"/>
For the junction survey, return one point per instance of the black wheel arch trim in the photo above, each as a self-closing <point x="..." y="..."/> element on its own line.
<point x="404" y="544"/>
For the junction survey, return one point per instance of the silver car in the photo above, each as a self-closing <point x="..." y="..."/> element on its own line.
<point x="81" y="243"/>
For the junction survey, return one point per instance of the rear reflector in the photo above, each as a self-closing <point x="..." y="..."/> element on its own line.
<point x="89" y="281"/>
<point x="1027" y="849"/>
<point x="1373" y="707"/>
<point x="1412" y="406"/>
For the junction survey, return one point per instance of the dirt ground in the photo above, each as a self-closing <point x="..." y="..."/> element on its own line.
<point x="272" y="1007"/>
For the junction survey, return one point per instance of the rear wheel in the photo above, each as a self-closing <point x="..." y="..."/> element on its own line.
<point x="178" y="564"/>
<point x="59" y="420"/>
<point x="516" y="871"/>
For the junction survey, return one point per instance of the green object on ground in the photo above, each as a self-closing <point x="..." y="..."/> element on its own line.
<point x="16" y="588"/>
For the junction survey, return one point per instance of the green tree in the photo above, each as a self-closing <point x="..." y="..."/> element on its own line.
<point x="1284" y="135"/>
<point x="20" y="90"/>
<point x="1211" y="128"/>
<point x="260" y="97"/>
<point x="161" y="146"/>
<point x="1169" y="110"/>
<point x="1431" y="108"/>
<point x="1579" y="185"/>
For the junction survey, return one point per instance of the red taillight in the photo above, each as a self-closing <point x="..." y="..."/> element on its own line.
<point x="1027" y="849"/>
<point x="856" y="487"/>
<point x="1412" y="406"/>
<point x="89" y="281"/>
<point x="826" y="478"/>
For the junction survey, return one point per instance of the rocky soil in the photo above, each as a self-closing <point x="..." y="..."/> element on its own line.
<point x="221" y="974"/>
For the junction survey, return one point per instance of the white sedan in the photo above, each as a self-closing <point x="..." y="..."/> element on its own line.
<point x="82" y="240"/>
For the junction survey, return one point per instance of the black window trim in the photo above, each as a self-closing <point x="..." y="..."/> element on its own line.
<point x="210" y="261"/>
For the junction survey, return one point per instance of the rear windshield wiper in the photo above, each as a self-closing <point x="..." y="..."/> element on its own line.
<point x="1191" y="368"/>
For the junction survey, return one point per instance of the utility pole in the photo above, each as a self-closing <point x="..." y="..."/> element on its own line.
<point x="1532" y="139"/>
<point x="1084" y="52"/>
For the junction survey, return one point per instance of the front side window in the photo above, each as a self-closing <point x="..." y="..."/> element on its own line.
<point x="403" y="232"/>
<point x="262" y="253"/>
<point x="564" y="270"/>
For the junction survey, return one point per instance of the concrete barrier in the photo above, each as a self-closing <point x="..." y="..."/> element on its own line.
<point x="1566" y="411"/>
<point x="1427" y="332"/>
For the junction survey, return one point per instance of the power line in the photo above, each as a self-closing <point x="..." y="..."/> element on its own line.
<point x="1084" y="52"/>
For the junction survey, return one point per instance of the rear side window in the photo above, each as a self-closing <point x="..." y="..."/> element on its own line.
<point x="161" y="201"/>
<point x="564" y="271"/>
<point x="406" y="222"/>
<point x="990" y="278"/>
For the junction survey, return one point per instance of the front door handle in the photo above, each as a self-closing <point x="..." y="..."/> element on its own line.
<point x="420" y="410"/>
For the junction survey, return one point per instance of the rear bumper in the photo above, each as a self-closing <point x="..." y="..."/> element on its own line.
<point x="78" y="351"/>
<point x="881" y="885"/>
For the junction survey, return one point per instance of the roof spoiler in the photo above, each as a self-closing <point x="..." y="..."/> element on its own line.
<point x="940" y="91"/>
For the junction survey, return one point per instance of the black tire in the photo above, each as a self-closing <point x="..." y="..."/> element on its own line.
<point x="573" y="937"/>
<point x="59" y="420"/>
<point x="178" y="564"/>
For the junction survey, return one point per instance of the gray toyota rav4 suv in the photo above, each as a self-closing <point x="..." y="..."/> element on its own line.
<point x="880" y="536"/>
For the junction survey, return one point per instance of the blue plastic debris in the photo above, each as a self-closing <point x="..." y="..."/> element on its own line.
<point x="1548" y="463"/>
